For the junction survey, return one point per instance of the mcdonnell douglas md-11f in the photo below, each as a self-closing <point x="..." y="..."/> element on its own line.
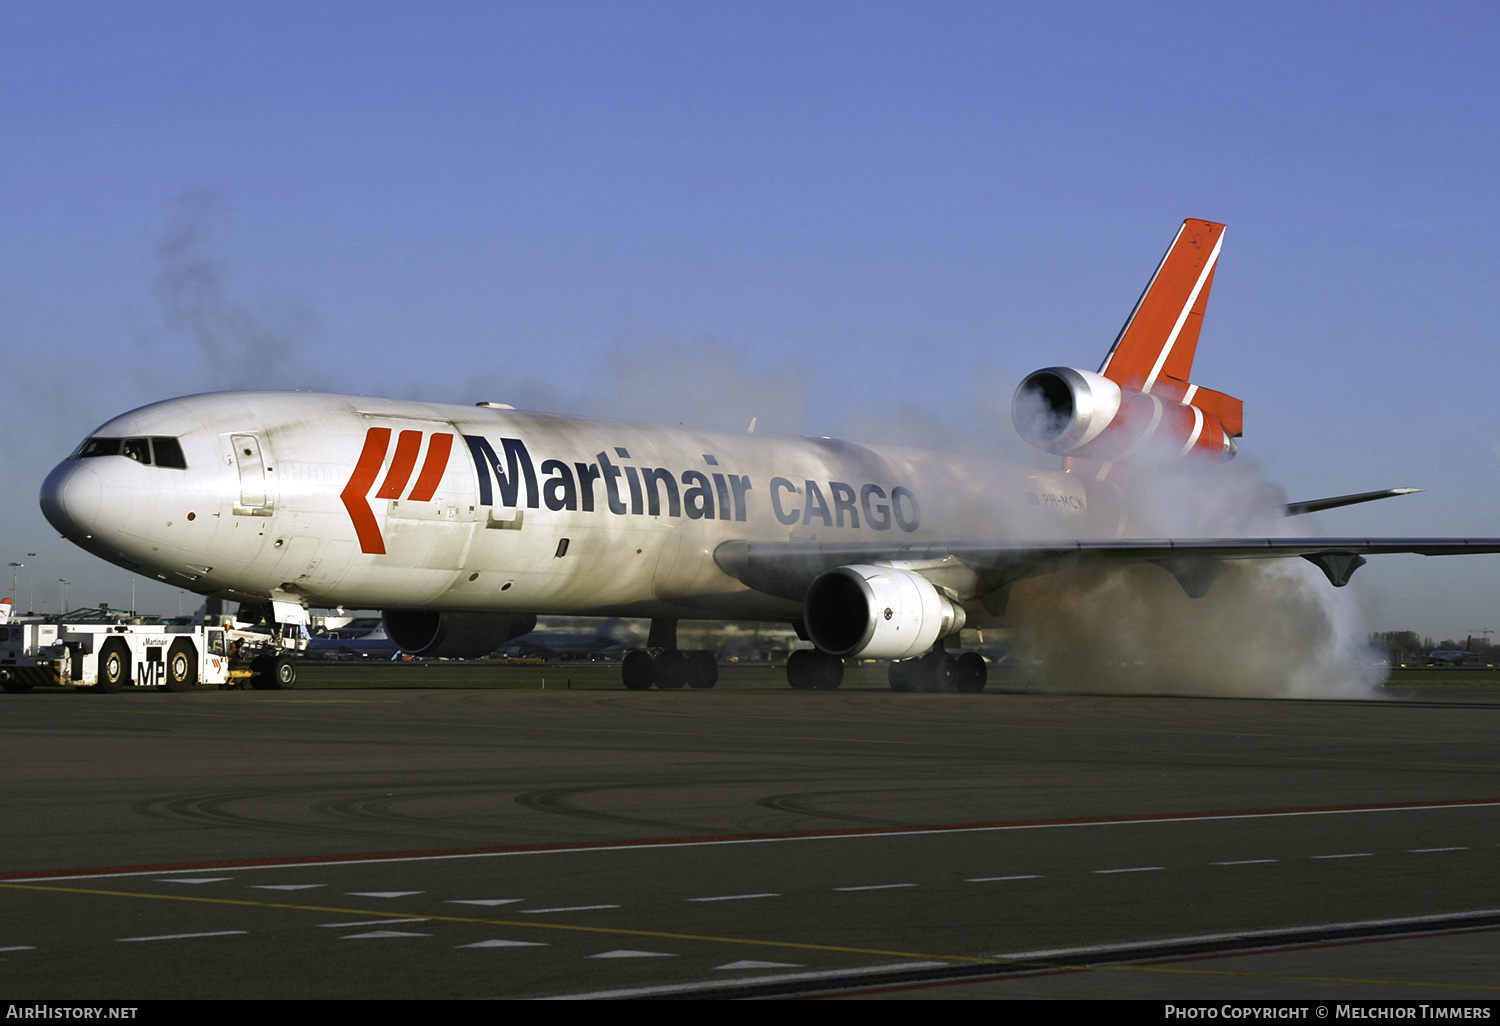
<point x="464" y="523"/>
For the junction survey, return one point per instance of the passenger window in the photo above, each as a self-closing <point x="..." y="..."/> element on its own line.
<point x="168" y="452"/>
<point x="137" y="449"/>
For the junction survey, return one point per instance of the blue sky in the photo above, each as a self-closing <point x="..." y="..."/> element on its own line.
<point x="867" y="217"/>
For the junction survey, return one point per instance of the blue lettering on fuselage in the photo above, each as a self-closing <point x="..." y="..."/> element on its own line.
<point x="714" y="494"/>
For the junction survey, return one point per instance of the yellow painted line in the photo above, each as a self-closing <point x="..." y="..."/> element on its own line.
<point x="385" y="914"/>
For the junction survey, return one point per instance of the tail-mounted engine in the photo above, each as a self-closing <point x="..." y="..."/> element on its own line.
<point x="877" y="612"/>
<point x="1073" y="412"/>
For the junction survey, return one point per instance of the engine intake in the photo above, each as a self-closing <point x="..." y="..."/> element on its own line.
<point x="422" y="632"/>
<point x="877" y="612"/>
<point x="1073" y="412"/>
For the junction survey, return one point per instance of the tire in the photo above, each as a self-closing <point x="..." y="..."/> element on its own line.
<point x="799" y="670"/>
<point x="971" y="673"/>
<point x="114" y="666"/>
<point x="636" y="670"/>
<point x="283" y="673"/>
<point x="671" y="669"/>
<point x="939" y="672"/>
<point x="903" y="675"/>
<point x="260" y="673"/>
<point x="703" y="670"/>
<point x="808" y="669"/>
<point x="182" y="666"/>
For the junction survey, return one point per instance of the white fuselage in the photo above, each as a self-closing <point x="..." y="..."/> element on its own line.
<point x="376" y="503"/>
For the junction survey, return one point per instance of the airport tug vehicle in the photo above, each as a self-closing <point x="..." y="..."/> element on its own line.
<point x="111" y="656"/>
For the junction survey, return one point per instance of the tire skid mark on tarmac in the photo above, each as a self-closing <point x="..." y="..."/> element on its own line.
<point x="802" y="805"/>
<point x="559" y="801"/>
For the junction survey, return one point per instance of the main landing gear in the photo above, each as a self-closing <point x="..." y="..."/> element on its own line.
<point x="664" y="664"/>
<point x="940" y="671"/>
<point x="807" y="669"/>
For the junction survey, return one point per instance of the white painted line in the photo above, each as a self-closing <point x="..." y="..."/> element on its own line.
<point x="738" y="897"/>
<point x="20" y="947"/>
<point x="1244" y="862"/>
<point x="1350" y="855"/>
<point x="482" y="901"/>
<point x="996" y="879"/>
<point x="874" y="887"/>
<point x="286" y="887"/>
<point x="574" y="908"/>
<point x="1203" y="938"/>
<point x="1133" y="869"/>
<point x="372" y="922"/>
<point x="626" y="953"/>
<point x="750" y="964"/>
<point x="196" y="879"/>
<point x="807" y="838"/>
<point x="383" y="935"/>
<point x="779" y="978"/>
<point x="1415" y="851"/>
<point x="180" y="936"/>
<point x="381" y="894"/>
<point x="504" y="944"/>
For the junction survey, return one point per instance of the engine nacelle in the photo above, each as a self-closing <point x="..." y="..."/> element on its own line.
<point x="877" y="612"/>
<point x="1073" y="412"/>
<point x="421" y="632"/>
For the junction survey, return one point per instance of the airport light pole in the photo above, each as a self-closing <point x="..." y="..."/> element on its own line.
<point x="13" y="568"/>
<point x="62" y="597"/>
<point x="31" y="587"/>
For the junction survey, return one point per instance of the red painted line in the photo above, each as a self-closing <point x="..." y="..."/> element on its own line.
<point x="796" y="835"/>
<point x="402" y="464"/>
<point x="377" y="440"/>
<point x="432" y="468"/>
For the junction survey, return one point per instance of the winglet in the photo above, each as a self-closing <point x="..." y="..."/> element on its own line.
<point x="1154" y="350"/>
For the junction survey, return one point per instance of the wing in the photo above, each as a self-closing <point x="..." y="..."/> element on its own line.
<point x="984" y="570"/>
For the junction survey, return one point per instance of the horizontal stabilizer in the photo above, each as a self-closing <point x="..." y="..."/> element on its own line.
<point x="1316" y="505"/>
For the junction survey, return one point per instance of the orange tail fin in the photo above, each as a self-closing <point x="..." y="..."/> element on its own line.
<point x="1154" y="351"/>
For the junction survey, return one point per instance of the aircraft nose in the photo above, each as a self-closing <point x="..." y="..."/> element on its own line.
<point x="71" y="499"/>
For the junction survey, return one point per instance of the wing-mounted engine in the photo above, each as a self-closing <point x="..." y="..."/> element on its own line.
<point x="878" y="612"/>
<point x="421" y="632"/>
<point x="1073" y="412"/>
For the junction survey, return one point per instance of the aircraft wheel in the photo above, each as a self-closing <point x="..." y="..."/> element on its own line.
<point x="260" y="678"/>
<point x="283" y="675"/>
<point x="703" y="670"/>
<point x="182" y="665"/>
<point x="636" y="670"/>
<point x="799" y="673"/>
<point x="940" y="672"/>
<point x="902" y="675"/>
<point x="671" y="669"/>
<point x="114" y="666"/>
<point x="971" y="673"/>
<point x="273" y="673"/>
<point x="807" y="669"/>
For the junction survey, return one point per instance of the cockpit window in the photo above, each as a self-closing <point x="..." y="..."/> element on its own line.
<point x="137" y="449"/>
<point x="100" y="447"/>
<point x="168" y="453"/>
<point x="167" y="450"/>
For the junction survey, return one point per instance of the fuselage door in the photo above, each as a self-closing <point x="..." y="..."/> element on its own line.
<point x="255" y="498"/>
